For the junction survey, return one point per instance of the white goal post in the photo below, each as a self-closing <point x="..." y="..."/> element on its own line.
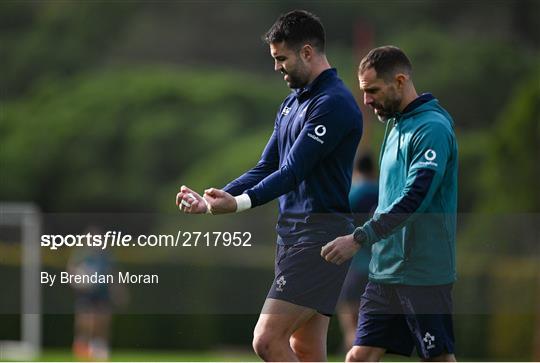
<point x="26" y="217"/>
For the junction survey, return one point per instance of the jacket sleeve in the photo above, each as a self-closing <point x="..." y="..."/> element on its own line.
<point x="430" y="149"/>
<point x="327" y="123"/>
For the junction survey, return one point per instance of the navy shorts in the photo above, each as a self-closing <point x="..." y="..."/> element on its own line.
<point x="400" y="318"/>
<point x="303" y="277"/>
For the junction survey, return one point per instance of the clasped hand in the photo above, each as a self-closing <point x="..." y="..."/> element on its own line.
<point x="214" y="200"/>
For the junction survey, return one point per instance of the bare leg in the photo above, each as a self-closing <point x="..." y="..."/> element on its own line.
<point x="308" y="342"/>
<point x="278" y="321"/>
<point x="82" y="335"/>
<point x="445" y="357"/>
<point x="100" y="338"/>
<point x="348" y="320"/>
<point x="365" y="354"/>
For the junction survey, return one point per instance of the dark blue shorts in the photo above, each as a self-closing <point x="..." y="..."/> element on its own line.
<point x="303" y="277"/>
<point x="400" y="318"/>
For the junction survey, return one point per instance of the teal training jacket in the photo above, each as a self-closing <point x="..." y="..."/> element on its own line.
<point x="413" y="231"/>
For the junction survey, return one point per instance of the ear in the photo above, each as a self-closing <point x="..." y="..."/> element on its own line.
<point x="401" y="79"/>
<point x="306" y="52"/>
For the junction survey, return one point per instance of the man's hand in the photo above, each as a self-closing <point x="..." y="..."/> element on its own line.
<point x="190" y="202"/>
<point x="340" y="249"/>
<point x="220" y="202"/>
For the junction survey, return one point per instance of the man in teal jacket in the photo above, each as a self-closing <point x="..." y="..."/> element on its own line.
<point x="407" y="302"/>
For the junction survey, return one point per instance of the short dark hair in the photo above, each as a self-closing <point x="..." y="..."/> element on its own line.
<point x="386" y="61"/>
<point x="297" y="28"/>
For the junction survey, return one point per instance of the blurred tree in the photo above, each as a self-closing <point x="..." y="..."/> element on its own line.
<point x="508" y="181"/>
<point x="472" y="76"/>
<point x="500" y="171"/>
<point x="114" y="140"/>
<point x="45" y="39"/>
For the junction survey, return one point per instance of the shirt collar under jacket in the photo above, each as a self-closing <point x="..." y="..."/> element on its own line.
<point x="315" y="84"/>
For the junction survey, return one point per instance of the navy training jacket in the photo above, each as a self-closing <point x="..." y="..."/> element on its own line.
<point x="307" y="163"/>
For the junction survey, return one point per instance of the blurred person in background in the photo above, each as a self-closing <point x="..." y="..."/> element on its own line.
<point x="363" y="199"/>
<point x="407" y="302"/>
<point x="93" y="302"/>
<point x="307" y="164"/>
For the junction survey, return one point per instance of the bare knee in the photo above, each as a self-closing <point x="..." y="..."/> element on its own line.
<point x="261" y="345"/>
<point x="299" y="347"/>
<point x="266" y="343"/>
<point x="308" y="351"/>
<point x="355" y="355"/>
<point x="445" y="357"/>
<point x="364" y="354"/>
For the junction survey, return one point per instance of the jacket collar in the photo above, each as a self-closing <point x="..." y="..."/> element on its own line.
<point x="316" y="83"/>
<point x="418" y="101"/>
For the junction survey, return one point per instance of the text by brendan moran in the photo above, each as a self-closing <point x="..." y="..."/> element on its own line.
<point x="120" y="277"/>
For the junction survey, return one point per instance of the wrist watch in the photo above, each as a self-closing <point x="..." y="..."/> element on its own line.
<point x="359" y="235"/>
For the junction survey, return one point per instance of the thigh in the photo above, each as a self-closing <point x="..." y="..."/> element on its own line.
<point x="309" y="340"/>
<point x="381" y="323"/>
<point x="313" y="330"/>
<point x="428" y="312"/>
<point x="281" y="318"/>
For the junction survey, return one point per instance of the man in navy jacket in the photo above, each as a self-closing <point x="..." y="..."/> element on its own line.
<point x="307" y="164"/>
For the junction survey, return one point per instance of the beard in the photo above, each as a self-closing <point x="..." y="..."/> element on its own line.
<point x="388" y="109"/>
<point x="295" y="80"/>
<point x="297" y="77"/>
